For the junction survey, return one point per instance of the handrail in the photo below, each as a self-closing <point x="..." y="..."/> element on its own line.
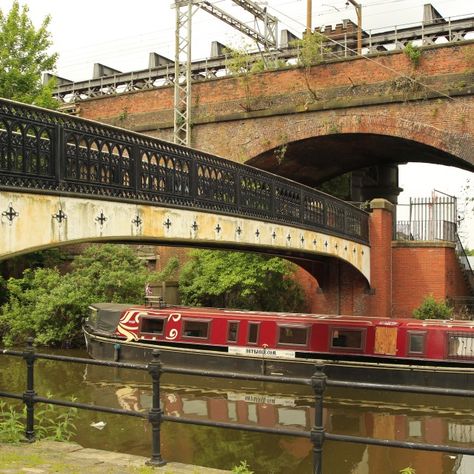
<point x="453" y="29"/>
<point x="155" y="415"/>
<point x="43" y="151"/>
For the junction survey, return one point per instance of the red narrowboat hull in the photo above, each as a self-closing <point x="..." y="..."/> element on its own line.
<point x="442" y="376"/>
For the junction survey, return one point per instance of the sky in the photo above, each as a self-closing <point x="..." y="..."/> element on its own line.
<point x="122" y="34"/>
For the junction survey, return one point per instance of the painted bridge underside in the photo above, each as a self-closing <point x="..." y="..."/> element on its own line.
<point x="66" y="180"/>
<point x="43" y="221"/>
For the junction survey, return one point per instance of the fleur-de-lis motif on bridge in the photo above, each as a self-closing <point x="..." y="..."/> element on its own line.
<point x="59" y="216"/>
<point x="137" y="221"/>
<point x="101" y="218"/>
<point x="10" y="213"/>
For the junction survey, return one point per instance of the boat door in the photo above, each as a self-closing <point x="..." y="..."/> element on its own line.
<point x="386" y="339"/>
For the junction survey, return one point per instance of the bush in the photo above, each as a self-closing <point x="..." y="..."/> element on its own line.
<point x="240" y="280"/>
<point x="432" y="309"/>
<point x="52" y="307"/>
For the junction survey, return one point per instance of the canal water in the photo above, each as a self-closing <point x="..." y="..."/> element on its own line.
<point x="437" y="420"/>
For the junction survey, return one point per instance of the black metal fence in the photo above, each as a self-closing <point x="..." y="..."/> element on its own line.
<point x="47" y="152"/>
<point x="155" y="415"/>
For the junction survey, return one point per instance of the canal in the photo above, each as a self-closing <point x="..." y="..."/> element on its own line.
<point x="417" y="418"/>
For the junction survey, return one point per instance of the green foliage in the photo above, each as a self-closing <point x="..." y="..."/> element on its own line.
<point x="12" y="427"/>
<point x="3" y="291"/>
<point x="407" y="470"/>
<point x="432" y="309"/>
<point x="240" y="280"/>
<point x="242" y="468"/>
<point x="51" y="422"/>
<point x="310" y="49"/>
<point x="51" y="307"/>
<point x="340" y="186"/>
<point x="14" y="267"/>
<point x="240" y="61"/>
<point x="23" y="58"/>
<point x="413" y="53"/>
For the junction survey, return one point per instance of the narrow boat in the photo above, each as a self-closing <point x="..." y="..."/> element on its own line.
<point x="436" y="353"/>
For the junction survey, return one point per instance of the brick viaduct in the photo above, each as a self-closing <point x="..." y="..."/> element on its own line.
<point x="312" y="124"/>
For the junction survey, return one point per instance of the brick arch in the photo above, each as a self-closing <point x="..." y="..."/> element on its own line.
<point x="451" y="142"/>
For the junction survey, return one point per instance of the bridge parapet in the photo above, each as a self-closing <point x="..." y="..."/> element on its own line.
<point x="47" y="152"/>
<point x="338" y="46"/>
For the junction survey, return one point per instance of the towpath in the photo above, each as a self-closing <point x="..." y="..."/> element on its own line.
<point x="53" y="457"/>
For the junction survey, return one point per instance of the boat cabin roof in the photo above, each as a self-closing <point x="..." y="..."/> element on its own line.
<point x="284" y="318"/>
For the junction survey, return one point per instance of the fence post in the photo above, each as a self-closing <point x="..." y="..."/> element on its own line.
<point x="29" y="395"/>
<point x="154" y="415"/>
<point x="318" y="382"/>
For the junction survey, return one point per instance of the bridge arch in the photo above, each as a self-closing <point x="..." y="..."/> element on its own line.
<point x="308" y="149"/>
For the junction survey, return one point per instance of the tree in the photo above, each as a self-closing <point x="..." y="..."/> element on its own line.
<point x="240" y="280"/>
<point x="52" y="307"/>
<point x="24" y="57"/>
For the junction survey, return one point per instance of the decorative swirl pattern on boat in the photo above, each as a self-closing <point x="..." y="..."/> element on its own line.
<point x="174" y="317"/>
<point x="128" y="325"/>
<point x="173" y="334"/>
<point x="173" y="331"/>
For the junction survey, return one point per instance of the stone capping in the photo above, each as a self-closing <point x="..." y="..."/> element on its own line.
<point x="382" y="204"/>
<point x="423" y="244"/>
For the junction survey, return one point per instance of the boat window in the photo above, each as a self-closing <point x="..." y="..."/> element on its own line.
<point x="152" y="325"/>
<point x="347" y="338"/>
<point x="416" y="342"/>
<point x="232" y="331"/>
<point x="193" y="328"/>
<point x="253" y="333"/>
<point x="461" y="345"/>
<point x="293" y="335"/>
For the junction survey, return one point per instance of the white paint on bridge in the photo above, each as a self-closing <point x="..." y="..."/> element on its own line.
<point x="31" y="222"/>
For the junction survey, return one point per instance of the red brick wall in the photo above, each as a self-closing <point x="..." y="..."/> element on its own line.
<point x="381" y="257"/>
<point x="229" y="94"/>
<point x="240" y="118"/>
<point x="342" y="291"/>
<point x="421" y="269"/>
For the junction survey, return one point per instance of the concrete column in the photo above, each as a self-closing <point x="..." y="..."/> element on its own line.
<point x="380" y="228"/>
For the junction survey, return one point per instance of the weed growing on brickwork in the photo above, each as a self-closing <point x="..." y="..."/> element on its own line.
<point x="310" y="49"/>
<point x="123" y="114"/>
<point x="407" y="470"/>
<point x="242" y="63"/>
<point x="280" y="153"/>
<point x="413" y="53"/>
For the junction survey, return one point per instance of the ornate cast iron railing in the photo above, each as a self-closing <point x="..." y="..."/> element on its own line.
<point x="45" y="151"/>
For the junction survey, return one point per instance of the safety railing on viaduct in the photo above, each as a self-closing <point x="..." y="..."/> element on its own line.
<point x="338" y="45"/>
<point x="42" y="151"/>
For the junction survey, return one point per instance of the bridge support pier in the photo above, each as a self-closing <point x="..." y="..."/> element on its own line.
<point x="381" y="231"/>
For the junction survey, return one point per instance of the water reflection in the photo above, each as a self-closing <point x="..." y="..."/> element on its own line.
<point x="436" y="420"/>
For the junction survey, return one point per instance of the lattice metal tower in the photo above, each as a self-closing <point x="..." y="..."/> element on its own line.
<point x="182" y="81"/>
